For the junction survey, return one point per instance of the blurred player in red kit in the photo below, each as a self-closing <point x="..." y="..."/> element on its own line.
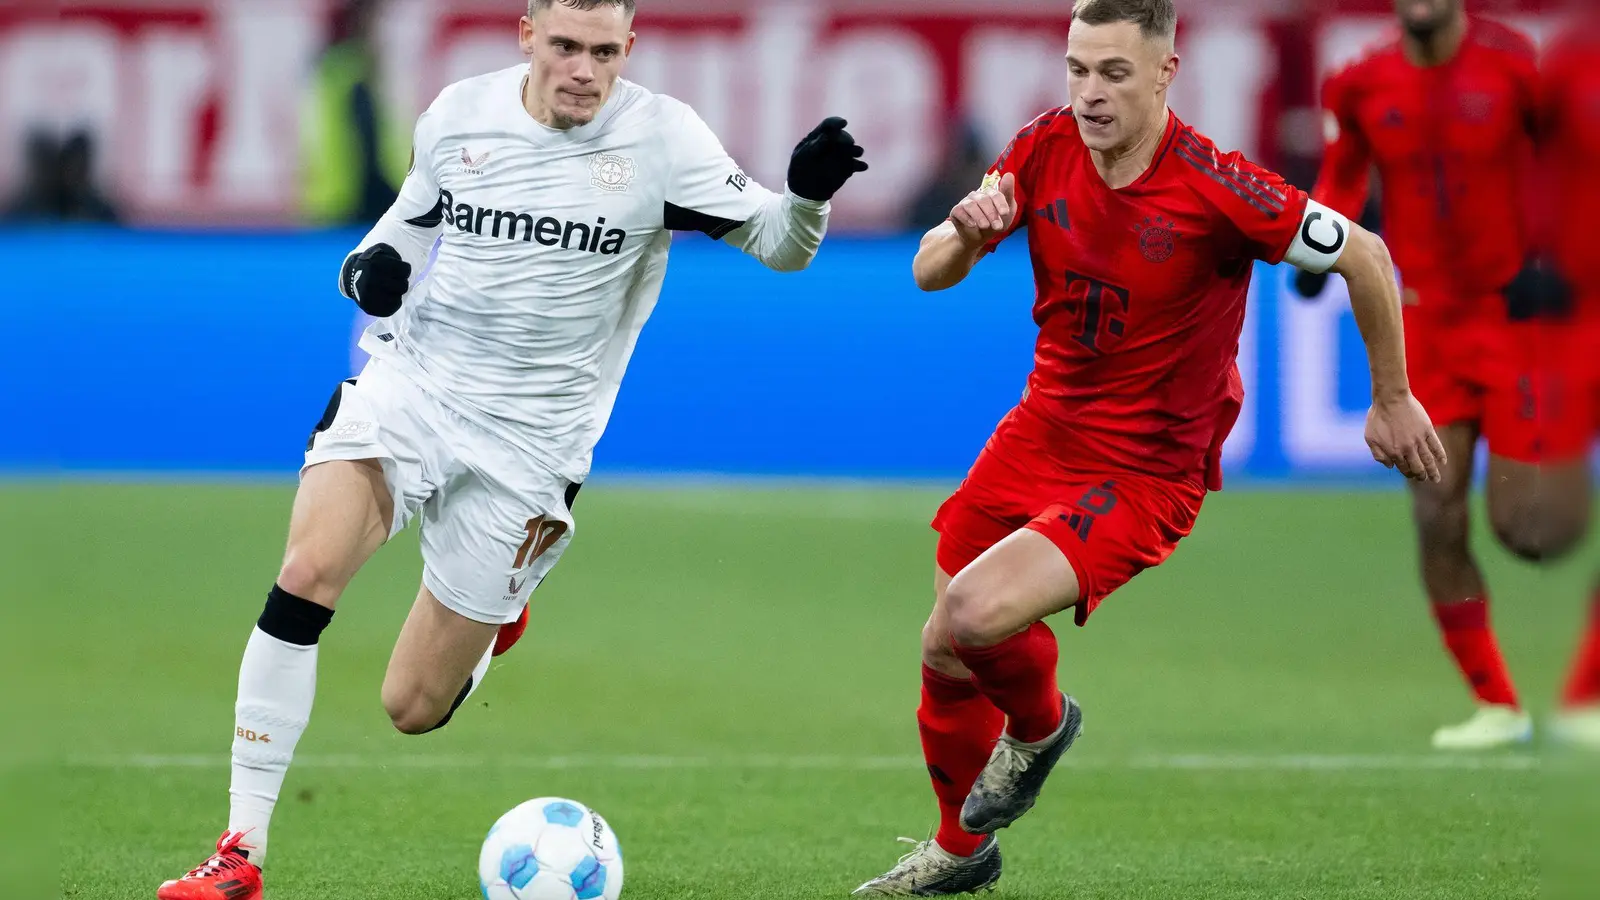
<point x="1448" y="110"/>
<point x="1143" y="237"/>
<point x="1570" y="133"/>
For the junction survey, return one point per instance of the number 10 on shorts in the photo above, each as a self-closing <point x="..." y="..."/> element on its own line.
<point x="543" y="532"/>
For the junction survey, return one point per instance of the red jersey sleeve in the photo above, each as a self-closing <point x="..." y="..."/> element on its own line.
<point x="1346" y="174"/>
<point x="1018" y="160"/>
<point x="1255" y="204"/>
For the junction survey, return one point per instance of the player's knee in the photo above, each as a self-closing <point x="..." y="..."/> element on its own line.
<point x="412" y="710"/>
<point x="1535" y="537"/>
<point x="1443" y="521"/>
<point x="973" y="619"/>
<point x="938" y="653"/>
<point x="305" y="573"/>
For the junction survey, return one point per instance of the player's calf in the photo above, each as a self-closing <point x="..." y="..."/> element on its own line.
<point x="440" y="659"/>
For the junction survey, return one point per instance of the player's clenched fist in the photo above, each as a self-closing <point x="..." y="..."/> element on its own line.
<point x="824" y="160"/>
<point x="1401" y="436"/>
<point x="987" y="212"/>
<point x="376" y="279"/>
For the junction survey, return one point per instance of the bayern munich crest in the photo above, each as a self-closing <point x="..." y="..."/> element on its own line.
<point x="1158" y="239"/>
<point x="610" y="172"/>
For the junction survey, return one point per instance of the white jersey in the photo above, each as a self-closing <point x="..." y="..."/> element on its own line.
<point x="552" y="247"/>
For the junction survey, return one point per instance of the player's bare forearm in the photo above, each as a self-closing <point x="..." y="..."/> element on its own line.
<point x="944" y="259"/>
<point x="1368" y="272"/>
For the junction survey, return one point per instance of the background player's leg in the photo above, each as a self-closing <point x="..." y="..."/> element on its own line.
<point x="958" y="724"/>
<point x="1458" y="597"/>
<point x="438" y="661"/>
<point x="1539" y="511"/>
<point x="1579" y="720"/>
<point x="342" y="514"/>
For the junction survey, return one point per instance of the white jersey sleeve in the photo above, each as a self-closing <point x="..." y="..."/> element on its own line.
<point x="414" y="221"/>
<point x="709" y="193"/>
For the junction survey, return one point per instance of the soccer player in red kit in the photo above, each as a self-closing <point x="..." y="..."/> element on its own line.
<point x="1571" y="142"/>
<point x="1143" y="237"/>
<point x="1447" y="110"/>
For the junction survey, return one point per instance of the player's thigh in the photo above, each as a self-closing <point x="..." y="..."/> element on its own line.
<point x="1016" y="582"/>
<point x="432" y="660"/>
<point x="362" y="472"/>
<point x="340" y="518"/>
<point x="490" y="538"/>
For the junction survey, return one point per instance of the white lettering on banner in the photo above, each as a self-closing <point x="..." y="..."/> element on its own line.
<point x="886" y="83"/>
<point x="761" y="74"/>
<point x="474" y="53"/>
<point x="1009" y="76"/>
<point x="177" y="70"/>
<point x="269" y="45"/>
<point x="1220" y="95"/>
<point x="783" y="42"/>
<point x="1316" y="430"/>
<point x="62" y="78"/>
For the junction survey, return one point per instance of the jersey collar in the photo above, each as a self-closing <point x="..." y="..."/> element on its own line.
<point x="546" y="136"/>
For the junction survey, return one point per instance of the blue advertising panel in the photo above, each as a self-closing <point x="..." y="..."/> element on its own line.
<point x="210" y="352"/>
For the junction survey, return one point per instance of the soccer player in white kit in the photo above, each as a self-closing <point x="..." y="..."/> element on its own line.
<point x="553" y="190"/>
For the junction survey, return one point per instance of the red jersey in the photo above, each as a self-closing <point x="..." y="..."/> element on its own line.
<point x="1140" y="297"/>
<point x="1572" y="152"/>
<point x="1452" y="144"/>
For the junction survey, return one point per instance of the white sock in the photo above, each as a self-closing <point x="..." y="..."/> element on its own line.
<point x="479" y="672"/>
<point x="277" y="683"/>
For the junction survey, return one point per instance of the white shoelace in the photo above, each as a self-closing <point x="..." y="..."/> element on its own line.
<point x="1013" y="760"/>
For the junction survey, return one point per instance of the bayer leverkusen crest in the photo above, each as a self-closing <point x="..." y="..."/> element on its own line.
<point x="610" y="172"/>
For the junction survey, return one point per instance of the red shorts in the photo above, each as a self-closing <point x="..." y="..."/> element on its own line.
<point x="1523" y="384"/>
<point x="1111" y="527"/>
<point x="1570" y="383"/>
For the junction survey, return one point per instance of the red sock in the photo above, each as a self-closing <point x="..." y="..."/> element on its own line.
<point x="1583" y="687"/>
<point x="1019" y="676"/>
<point x="959" y="727"/>
<point x="1471" y="641"/>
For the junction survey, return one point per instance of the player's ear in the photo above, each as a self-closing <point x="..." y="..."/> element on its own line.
<point x="1169" y="71"/>
<point x="627" y="46"/>
<point x="526" y="35"/>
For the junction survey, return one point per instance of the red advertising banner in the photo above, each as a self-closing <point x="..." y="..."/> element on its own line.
<point x="197" y="104"/>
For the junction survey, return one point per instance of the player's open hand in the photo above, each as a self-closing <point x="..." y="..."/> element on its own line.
<point x="987" y="212"/>
<point x="1401" y="436"/>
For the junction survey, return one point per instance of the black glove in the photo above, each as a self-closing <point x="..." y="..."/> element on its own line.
<point x="1537" y="291"/>
<point x="1309" y="285"/>
<point x="824" y="161"/>
<point x="376" y="279"/>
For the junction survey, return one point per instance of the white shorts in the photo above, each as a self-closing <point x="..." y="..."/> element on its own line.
<point x="494" y="521"/>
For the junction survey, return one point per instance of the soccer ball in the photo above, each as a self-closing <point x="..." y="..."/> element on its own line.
<point x="551" y="849"/>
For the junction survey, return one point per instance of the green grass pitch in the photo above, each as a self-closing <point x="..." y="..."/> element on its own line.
<point x="730" y="674"/>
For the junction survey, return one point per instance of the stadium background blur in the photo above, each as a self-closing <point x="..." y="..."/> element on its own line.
<point x="180" y="180"/>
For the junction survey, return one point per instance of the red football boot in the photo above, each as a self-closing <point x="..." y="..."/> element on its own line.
<point x="227" y="875"/>
<point x="510" y="634"/>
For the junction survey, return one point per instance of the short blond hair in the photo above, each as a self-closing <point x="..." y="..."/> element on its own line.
<point x="535" y="5"/>
<point x="1155" y="18"/>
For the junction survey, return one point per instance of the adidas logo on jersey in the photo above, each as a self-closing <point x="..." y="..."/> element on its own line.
<point x="515" y="226"/>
